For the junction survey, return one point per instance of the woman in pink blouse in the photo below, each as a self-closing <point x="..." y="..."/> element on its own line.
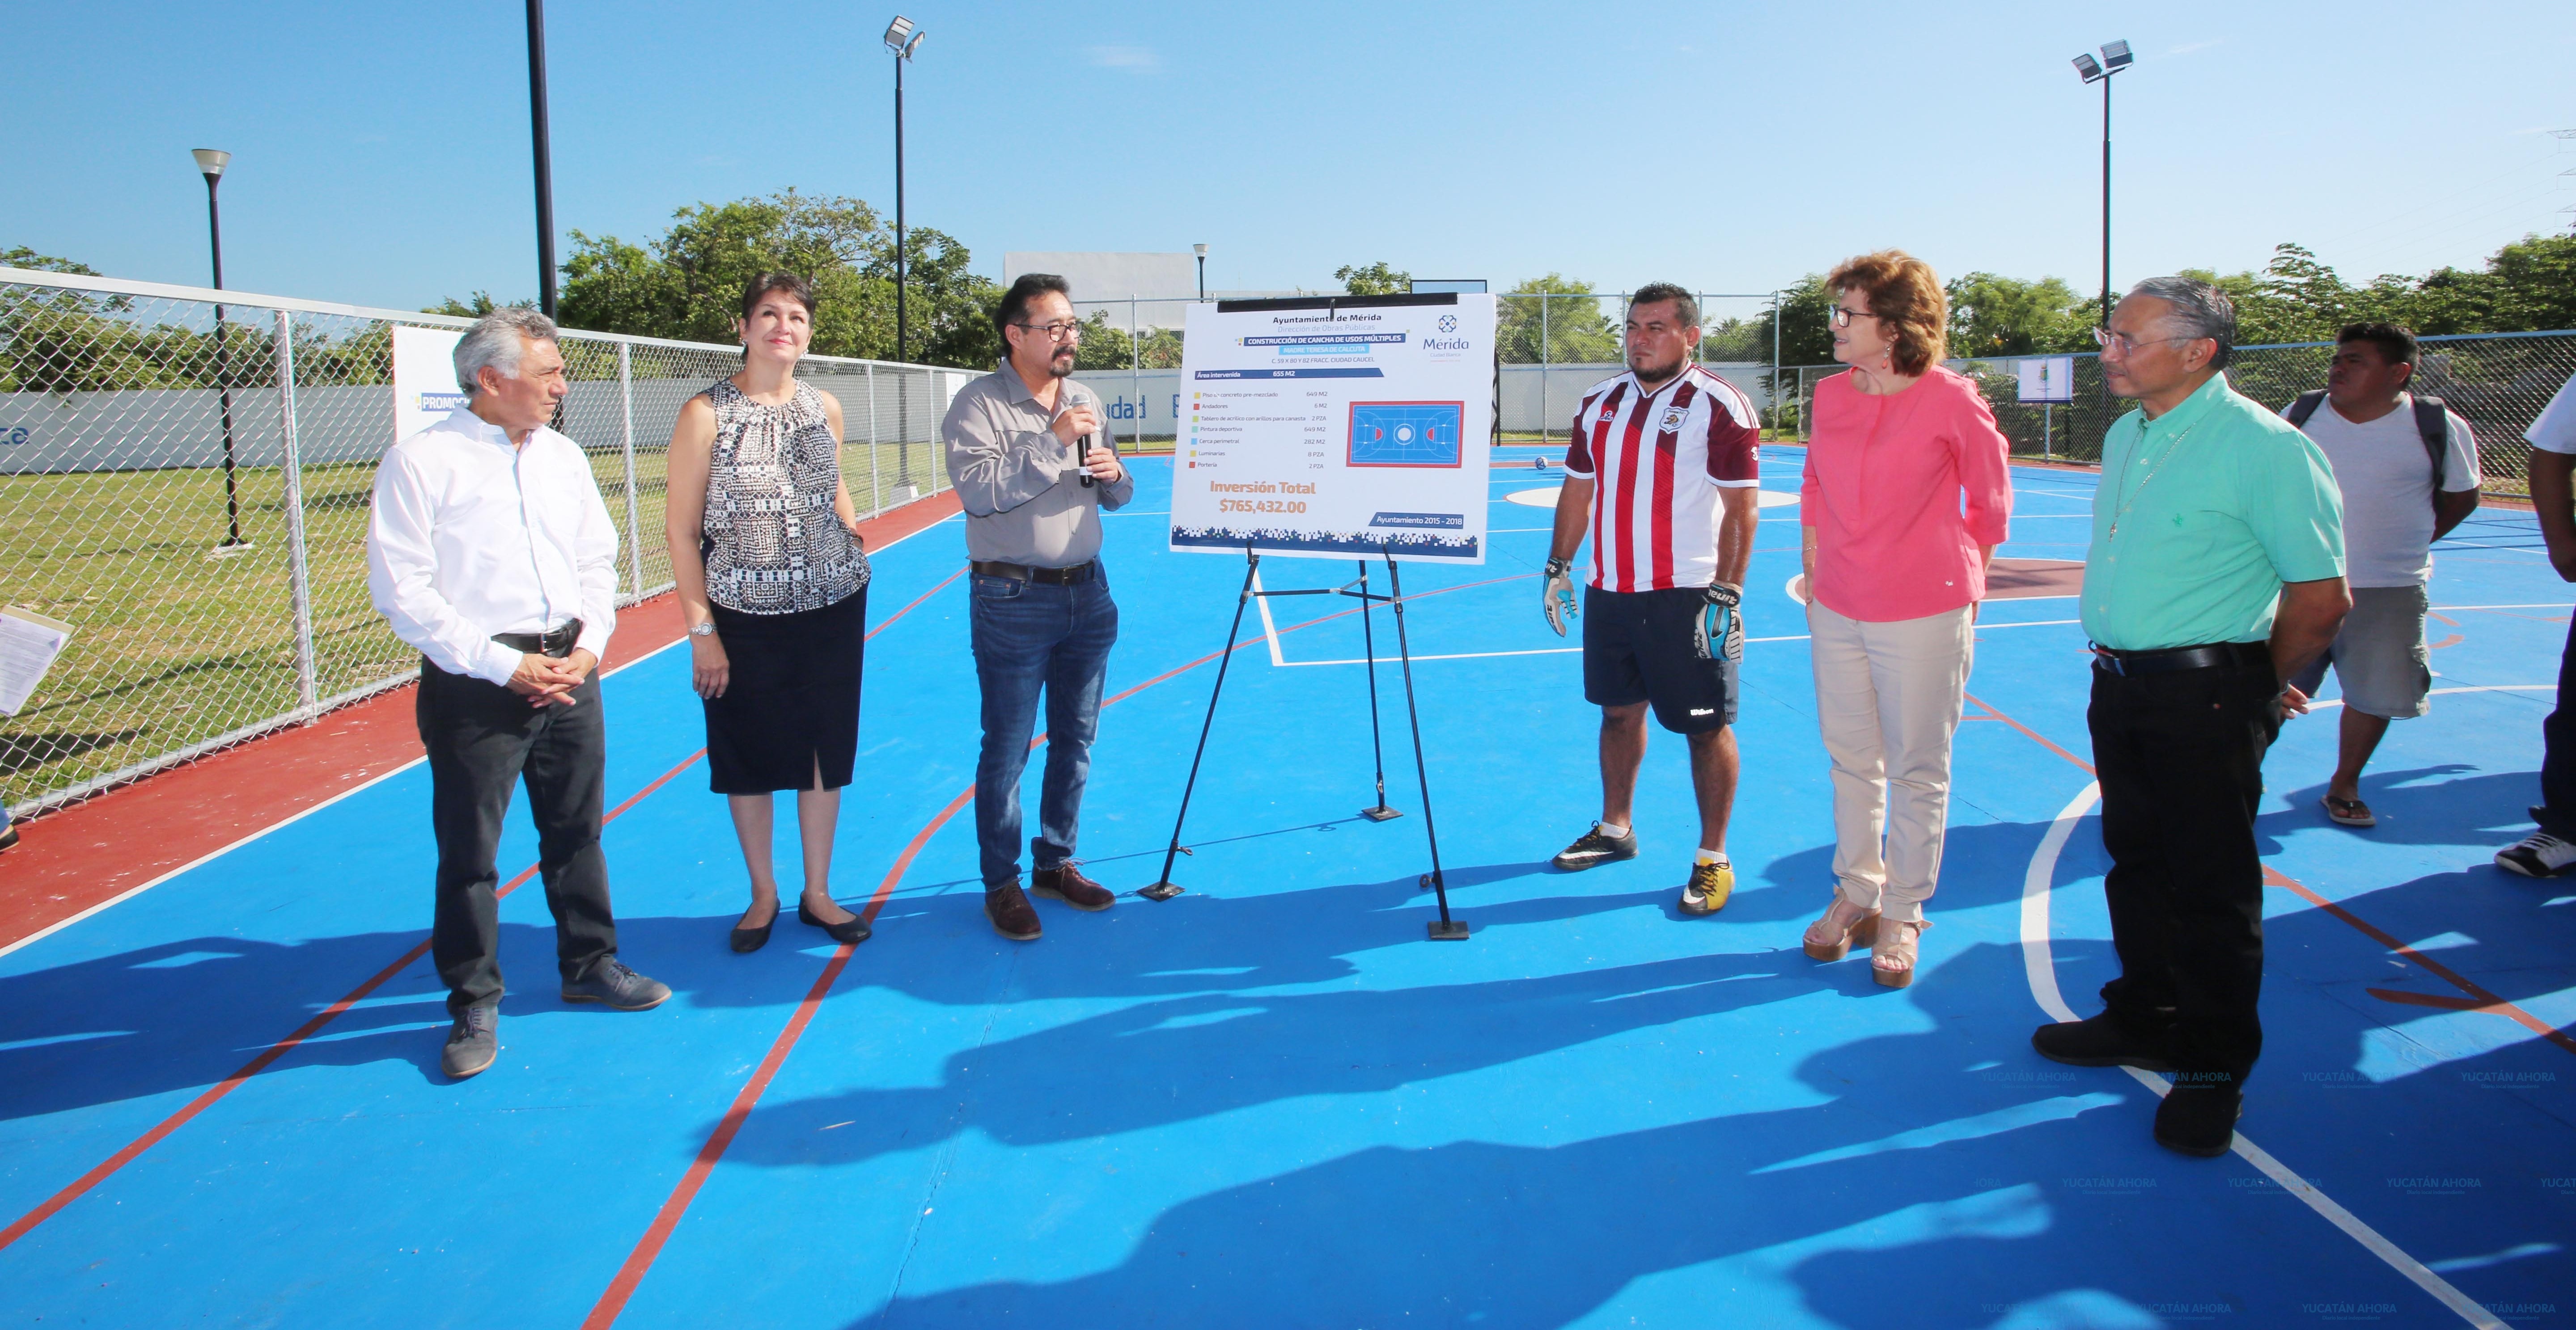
<point x="1904" y="500"/>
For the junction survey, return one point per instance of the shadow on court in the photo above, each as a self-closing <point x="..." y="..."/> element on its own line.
<point x="1949" y="1181"/>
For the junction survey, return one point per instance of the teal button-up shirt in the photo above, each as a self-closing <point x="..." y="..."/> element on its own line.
<point x="2202" y="514"/>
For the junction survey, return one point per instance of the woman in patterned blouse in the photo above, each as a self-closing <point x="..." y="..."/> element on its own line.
<point x="773" y="583"/>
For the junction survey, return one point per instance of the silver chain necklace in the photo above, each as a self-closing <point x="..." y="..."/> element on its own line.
<point x="2152" y="473"/>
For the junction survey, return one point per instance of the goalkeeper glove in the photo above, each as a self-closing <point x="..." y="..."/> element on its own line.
<point x="1556" y="594"/>
<point x="1721" y="623"/>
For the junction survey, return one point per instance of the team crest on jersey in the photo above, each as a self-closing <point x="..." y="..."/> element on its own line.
<point x="1607" y="413"/>
<point x="1672" y="419"/>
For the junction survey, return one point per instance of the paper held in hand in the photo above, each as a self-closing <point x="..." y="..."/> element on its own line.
<point x="29" y="642"/>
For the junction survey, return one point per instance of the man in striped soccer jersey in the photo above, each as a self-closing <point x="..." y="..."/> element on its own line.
<point x="1661" y="469"/>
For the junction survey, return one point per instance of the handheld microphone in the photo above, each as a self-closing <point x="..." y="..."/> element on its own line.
<point x="1084" y="461"/>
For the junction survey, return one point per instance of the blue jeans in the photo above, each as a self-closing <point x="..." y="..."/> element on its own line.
<point x="1033" y="636"/>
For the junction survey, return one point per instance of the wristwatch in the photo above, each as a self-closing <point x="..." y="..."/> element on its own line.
<point x="707" y="629"/>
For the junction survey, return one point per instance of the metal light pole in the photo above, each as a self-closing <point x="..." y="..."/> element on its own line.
<point x="2115" y="57"/>
<point x="1202" y="249"/>
<point x="903" y="39"/>
<point x="211" y="163"/>
<point x="545" y="156"/>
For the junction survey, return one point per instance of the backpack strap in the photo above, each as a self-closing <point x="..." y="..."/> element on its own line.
<point x="2433" y="421"/>
<point x="2305" y="406"/>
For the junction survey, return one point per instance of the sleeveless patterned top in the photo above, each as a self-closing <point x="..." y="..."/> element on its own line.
<point x="771" y="541"/>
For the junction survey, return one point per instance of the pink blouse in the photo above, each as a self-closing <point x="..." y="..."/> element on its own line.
<point x="1902" y="490"/>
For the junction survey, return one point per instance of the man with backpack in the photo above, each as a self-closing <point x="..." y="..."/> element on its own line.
<point x="2408" y="469"/>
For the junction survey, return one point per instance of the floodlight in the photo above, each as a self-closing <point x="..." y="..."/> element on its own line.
<point x="2087" y="66"/>
<point x="1202" y="250"/>
<point x="2116" y="57"/>
<point x="211" y="160"/>
<point x="901" y="37"/>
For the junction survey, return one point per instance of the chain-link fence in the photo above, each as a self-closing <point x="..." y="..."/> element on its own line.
<point x="184" y="479"/>
<point x="2498" y="382"/>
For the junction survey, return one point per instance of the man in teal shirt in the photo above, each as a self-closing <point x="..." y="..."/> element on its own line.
<point x="2215" y="573"/>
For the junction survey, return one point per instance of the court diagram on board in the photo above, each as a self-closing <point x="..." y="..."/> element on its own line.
<point x="1406" y="433"/>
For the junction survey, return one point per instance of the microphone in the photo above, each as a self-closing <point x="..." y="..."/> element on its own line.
<point x="1084" y="460"/>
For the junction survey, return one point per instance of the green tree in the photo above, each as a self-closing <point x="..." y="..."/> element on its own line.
<point x="472" y="307"/>
<point x="1992" y="315"/>
<point x="1734" y="340"/>
<point x="1577" y="331"/>
<point x="1377" y="279"/>
<point x="688" y="283"/>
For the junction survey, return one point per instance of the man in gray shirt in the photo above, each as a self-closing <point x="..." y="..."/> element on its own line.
<point x="1031" y="456"/>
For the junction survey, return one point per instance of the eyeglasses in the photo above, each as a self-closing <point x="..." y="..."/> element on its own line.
<point x="2127" y="345"/>
<point x="1841" y="317"/>
<point x="1062" y="330"/>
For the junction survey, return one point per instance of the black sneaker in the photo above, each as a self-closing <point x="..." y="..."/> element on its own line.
<point x="2198" y="1116"/>
<point x="611" y="982"/>
<point x="2537" y="855"/>
<point x="1593" y="848"/>
<point x="473" y="1043"/>
<point x="2098" y="1042"/>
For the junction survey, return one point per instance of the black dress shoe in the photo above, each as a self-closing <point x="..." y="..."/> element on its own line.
<point x="853" y="929"/>
<point x="753" y="939"/>
<point x="2198" y="1116"/>
<point x="2099" y="1042"/>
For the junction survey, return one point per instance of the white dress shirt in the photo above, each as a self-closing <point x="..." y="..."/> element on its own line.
<point x="473" y="536"/>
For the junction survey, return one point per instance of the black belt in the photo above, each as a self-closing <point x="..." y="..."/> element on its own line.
<point x="557" y="644"/>
<point x="2131" y="663"/>
<point x="1080" y="572"/>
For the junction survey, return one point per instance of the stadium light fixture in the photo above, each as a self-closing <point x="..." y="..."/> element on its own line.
<point x="902" y="38"/>
<point x="1202" y="251"/>
<point x="2116" y="56"/>
<point x="210" y="164"/>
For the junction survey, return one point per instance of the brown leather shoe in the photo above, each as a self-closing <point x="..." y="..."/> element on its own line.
<point x="1066" y="883"/>
<point x="1012" y="915"/>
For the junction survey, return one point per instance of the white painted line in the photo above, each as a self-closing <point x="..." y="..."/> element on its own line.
<point x="2320" y="704"/>
<point x="2440" y="608"/>
<point x="1269" y="630"/>
<point x="2039" y="969"/>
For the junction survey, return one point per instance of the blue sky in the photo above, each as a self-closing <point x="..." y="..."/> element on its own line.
<point x="381" y="151"/>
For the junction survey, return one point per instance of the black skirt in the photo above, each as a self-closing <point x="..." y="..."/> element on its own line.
<point x="792" y="703"/>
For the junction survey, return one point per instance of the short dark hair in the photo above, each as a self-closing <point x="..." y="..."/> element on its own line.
<point x="1015" y="302"/>
<point x="1684" y="303"/>
<point x="767" y="282"/>
<point x="2396" y="344"/>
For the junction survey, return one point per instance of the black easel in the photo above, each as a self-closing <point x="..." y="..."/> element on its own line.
<point x="1443" y="929"/>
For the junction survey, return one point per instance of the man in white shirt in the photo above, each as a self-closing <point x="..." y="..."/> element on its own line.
<point x="490" y="552"/>
<point x="2551" y="850"/>
<point x="2408" y="469"/>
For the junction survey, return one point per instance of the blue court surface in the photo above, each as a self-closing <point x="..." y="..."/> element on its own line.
<point x="1271" y="1102"/>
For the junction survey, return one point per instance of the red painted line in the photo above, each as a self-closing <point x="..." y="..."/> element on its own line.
<point x="108" y="1167"/>
<point x="916" y="604"/>
<point x="2483" y="1000"/>
<point x="2033" y="735"/>
<point x="648" y="1248"/>
<point x="86" y="856"/>
<point x="2441" y="1001"/>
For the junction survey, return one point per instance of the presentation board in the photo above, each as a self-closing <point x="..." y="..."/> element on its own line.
<point x="1335" y="427"/>
<point x="424" y="378"/>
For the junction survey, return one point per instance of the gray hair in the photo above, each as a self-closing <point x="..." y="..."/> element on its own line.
<point x="497" y="340"/>
<point x="2201" y="310"/>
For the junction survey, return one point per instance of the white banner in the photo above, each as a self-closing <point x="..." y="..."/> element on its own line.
<point x="1328" y="432"/>
<point x="424" y="378"/>
<point x="2048" y="379"/>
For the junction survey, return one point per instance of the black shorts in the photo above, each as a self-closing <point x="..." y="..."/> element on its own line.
<point x="1643" y="646"/>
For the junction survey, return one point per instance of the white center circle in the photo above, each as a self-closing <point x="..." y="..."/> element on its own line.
<point x="1404" y="434"/>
